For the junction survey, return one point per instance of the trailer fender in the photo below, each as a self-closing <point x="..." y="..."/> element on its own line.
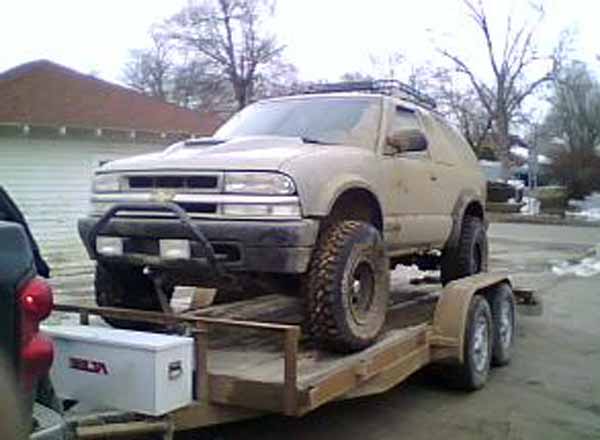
<point x="450" y="315"/>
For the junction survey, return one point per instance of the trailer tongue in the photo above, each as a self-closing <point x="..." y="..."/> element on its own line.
<point x="250" y="357"/>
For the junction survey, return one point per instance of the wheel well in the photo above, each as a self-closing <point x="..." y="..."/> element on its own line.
<point x="357" y="204"/>
<point x="474" y="209"/>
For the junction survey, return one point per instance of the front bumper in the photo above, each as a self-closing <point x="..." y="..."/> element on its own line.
<point x="246" y="245"/>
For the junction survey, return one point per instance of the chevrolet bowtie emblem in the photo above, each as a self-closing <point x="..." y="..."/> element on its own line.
<point x="163" y="196"/>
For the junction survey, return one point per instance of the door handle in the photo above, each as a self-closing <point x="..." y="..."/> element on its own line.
<point x="433" y="178"/>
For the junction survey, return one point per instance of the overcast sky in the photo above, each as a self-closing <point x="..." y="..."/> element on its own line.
<point x="324" y="38"/>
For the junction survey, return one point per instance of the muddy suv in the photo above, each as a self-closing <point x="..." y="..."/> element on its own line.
<point x="317" y="194"/>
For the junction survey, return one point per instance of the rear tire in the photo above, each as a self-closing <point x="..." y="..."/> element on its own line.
<point x="347" y="287"/>
<point x="127" y="288"/>
<point x="504" y="318"/>
<point x="472" y="374"/>
<point x="470" y="255"/>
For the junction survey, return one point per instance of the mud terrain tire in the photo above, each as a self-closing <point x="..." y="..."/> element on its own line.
<point x="347" y="287"/>
<point x="470" y="255"/>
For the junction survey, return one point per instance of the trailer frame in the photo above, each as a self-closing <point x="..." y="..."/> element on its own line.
<point x="306" y="383"/>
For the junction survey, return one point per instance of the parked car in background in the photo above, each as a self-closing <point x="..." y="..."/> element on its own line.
<point x="500" y="190"/>
<point x="25" y="301"/>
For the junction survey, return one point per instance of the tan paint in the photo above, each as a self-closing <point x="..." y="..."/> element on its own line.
<point x="450" y="316"/>
<point x="417" y="191"/>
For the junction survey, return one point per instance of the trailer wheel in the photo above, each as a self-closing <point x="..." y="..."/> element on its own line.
<point x="503" y="306"/>
<point x="472" y="374"/>
<point x="127" y="288"/>
<point x="347" y="287"/>
<point x="470" y="255"/>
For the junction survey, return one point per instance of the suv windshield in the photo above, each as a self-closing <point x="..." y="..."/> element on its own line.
<point x="348" y="121"/>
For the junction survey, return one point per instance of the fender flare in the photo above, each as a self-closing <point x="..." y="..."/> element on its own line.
<point x="464" y="199"/>
<point x="450" y="315"/>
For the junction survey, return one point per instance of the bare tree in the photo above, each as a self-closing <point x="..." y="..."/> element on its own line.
<point x="573" y="127"/>
<point x="459" y="104"/>
<point x="229" y="35"/>
<point x="149" y="70"/>
<point x="512" y="66"/>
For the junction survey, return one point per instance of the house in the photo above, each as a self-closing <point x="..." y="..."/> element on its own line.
<point x="56" y="126"/>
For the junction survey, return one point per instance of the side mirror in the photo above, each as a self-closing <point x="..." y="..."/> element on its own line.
<point x="407" y="140"/>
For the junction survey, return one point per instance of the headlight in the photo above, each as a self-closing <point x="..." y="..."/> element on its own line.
<point x="106" y="183"/>
<point x="259" y="183"/>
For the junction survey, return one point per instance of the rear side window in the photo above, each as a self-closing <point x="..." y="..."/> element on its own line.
<point x="458" y="144"/>
<point x="403" y="119"/>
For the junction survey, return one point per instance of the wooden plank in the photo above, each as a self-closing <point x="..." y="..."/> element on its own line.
<point x="357" y="369"/>
<point x="397" y="373"/>
<point x="231" y="390"/>
<point x="206" y="414"/>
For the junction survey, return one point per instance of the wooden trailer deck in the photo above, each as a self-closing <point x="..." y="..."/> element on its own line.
<point x="251" y="356"/>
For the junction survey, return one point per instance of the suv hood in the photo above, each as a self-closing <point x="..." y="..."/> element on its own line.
<point x="243" y="153"/>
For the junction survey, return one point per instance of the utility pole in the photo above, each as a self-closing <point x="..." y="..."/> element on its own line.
<point x="532" y="160"/>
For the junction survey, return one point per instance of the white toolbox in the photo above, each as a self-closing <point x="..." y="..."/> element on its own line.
<point x="141" y="372"/>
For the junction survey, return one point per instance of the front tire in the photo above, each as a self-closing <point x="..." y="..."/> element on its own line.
<point x="470" y="255"/>
<point x="347" y="287"/>
<point x="127" y="287"/>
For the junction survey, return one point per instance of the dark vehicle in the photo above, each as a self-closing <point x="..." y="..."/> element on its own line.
<point x="26" y="355"/>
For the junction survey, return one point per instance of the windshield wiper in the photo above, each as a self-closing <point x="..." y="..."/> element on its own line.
<point x="308" y="140"/>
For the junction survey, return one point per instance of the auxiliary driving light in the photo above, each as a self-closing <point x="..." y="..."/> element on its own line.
<point x="111" y="246"/>
<point x="175" y="249"/>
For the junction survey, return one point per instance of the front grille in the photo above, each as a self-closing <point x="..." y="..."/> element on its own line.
<point x="194" y="210"/>
<point x="173" y="182"/>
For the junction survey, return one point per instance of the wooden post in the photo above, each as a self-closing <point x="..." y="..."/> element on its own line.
<point x="290" y="391"/>
<point x="84" y="318"/>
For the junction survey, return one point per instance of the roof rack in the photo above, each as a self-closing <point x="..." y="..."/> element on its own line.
<point x="389" y="87"/>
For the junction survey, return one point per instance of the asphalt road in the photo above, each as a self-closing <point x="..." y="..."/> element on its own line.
<point x="550" y="391"/>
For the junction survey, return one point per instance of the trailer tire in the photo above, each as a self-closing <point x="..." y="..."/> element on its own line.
<point x="503" y="306"/>
<point x="472" y="374"/>
<point x="347" y="287"/>
<point x="127" y="288"/>
<point x="470" y="255"/>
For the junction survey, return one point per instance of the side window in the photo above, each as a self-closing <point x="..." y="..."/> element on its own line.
<point x="403" y="119"/>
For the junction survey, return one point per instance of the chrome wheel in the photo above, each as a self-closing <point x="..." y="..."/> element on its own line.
<point x="506" y="324"/>
<point x="481" y="343"/>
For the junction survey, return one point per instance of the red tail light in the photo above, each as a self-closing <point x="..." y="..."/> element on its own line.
<point x="35" y="300"/>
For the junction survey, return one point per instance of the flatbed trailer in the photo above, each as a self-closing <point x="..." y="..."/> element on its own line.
<point x="252" y="359"/>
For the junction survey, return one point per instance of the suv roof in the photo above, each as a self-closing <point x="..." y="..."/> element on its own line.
<point x="374" y="89"/>
<point x="389" y="87"/>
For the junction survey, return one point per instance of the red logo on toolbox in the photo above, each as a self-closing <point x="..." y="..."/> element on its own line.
<point x="88" y="365"/>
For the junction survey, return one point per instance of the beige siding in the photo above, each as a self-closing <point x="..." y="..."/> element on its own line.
<point x="50" y="181"/>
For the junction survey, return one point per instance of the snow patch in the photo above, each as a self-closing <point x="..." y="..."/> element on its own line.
<point x="406" y="274"/>
<point x="531" y="206"/>
<point x="588" y="209"/>
<point x="586" y="267"/>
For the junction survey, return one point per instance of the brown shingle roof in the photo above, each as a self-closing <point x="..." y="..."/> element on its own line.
<point x="45" y="93"/>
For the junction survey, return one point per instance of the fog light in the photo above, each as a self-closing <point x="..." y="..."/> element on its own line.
<point x="110" y="246"/>
<point x="256" y="210"/>
<point x="175" y="249"/>
<point x="245" y="210"/>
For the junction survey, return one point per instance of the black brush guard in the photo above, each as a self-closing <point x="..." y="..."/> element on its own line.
<point x="192" y="231"/>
